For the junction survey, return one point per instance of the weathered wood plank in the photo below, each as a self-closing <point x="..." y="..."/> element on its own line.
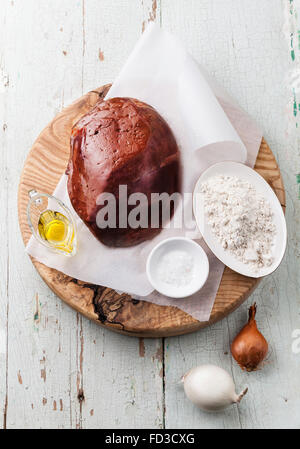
<point x="122" y="380"/>
<point x="41" y="357"/>
<point x="48" y="65"/>
<point x="111" y="30"/>
<point x="120" y="376"/>
<point x="3" y="234"/>
<point x="242" y="44"/>
<point x="63" y="371"/>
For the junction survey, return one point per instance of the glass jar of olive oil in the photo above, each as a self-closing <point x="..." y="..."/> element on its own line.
<point x="52" y="223"/>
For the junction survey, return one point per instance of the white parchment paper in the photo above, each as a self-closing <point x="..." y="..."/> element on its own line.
<point x="209" y="127"/>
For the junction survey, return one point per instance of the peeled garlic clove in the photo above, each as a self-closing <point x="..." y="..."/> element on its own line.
<point x="210" y="387"/>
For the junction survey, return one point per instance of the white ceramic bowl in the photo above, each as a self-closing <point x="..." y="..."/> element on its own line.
<point x="262" y="187"/>
<point x="201" y="267"/>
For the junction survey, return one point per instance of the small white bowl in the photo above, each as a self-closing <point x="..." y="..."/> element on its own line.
<point x="201" y="267"/>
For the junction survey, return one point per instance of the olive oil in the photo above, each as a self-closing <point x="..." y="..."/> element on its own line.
<point x="57" y="230"/>
<point x="54" y="230"/>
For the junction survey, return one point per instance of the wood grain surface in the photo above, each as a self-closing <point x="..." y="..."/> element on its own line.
<point x="44" y="165"/>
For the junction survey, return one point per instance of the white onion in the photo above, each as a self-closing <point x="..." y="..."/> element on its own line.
<point x="210" y="387"/>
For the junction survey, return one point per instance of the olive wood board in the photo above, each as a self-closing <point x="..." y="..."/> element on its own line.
<point x="46" y="162"/>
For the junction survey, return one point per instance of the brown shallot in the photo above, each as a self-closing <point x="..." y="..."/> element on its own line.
<point x="249" y="347"/>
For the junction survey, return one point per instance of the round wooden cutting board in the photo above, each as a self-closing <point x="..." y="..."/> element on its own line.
<point x="43" y="168"/>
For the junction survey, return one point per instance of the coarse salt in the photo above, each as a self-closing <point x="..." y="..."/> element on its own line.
<point x="176" y="268"/>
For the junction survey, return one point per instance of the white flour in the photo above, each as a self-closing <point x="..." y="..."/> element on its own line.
<point x="176" y="268"/>
<point x="241" y="218"/>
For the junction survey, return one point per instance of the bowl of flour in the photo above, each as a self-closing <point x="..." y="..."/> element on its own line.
<point x="240" y="218"/>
